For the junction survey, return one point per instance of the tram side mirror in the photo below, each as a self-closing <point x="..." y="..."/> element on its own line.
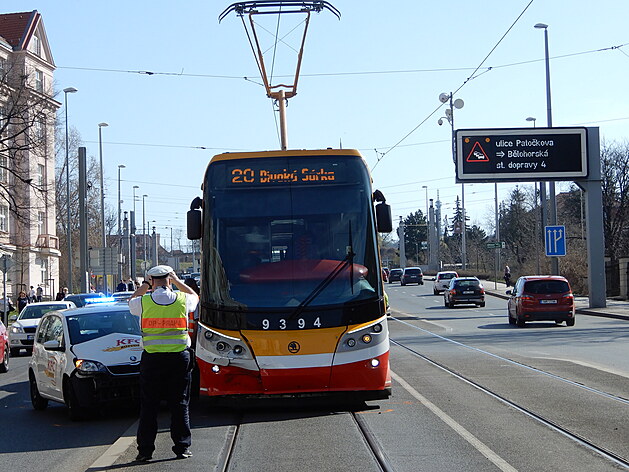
<point x="384" y="222"/>
<point x="194" y="223"/>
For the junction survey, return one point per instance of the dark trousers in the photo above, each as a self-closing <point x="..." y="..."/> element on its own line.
<point x="165" y="376"/>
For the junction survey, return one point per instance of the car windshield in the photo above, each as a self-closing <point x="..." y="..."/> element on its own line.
<point x="396" y="271"/>
<point x="413" y="272"/>
<point x="546" y="286"/>
<point x="447" y="276"/>
<point x="87" y="326"/>
<point x="35" y="312"/>
<point x="79" y="300"/>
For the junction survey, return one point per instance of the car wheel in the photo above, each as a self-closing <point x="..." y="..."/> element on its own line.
<point x="75" y="411"/>
<point x="481" y="304"/>
<point x="570" y="322"/>
<point x="520" y="322"/>
<point x="511" y="320"/>
<point x="435" y="292"/>
<point x="4" y="366"/>
<point x="15" y="351"/>
<point x="402" y="284"/>
<point x="38" y="402"/>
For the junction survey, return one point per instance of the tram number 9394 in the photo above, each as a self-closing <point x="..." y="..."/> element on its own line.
<point x="284" y="323"/>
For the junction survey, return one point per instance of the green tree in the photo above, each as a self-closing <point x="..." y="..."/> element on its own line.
<point x="416" y="231"/>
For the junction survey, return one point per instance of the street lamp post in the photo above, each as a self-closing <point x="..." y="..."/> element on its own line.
<point x="102" y="200"/>
<point x="539" y="232"/>
<point x="554" y="261"/>
<point x="143" y="234"/>
<point x="132" y="238"/>
<point x="121" y="166"/>
<point x="66" y="91"/>
<point x="458" y="104"/>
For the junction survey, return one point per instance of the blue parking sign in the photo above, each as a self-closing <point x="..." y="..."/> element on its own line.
<point x="555" y="240"/>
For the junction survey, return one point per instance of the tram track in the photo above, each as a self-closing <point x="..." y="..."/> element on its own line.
<point x="540" y="418"/>
<point x="224" y="460"/>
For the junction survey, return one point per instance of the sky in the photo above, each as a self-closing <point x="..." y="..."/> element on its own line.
<point x="370" y="80"/>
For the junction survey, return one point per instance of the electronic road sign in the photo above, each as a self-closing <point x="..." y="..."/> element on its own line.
<point x="521" y="154"/>
<point x="555" y="239"/>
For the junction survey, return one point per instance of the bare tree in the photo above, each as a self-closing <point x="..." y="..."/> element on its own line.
<point x="92" y="204"/>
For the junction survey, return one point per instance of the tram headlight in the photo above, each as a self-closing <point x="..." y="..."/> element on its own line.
<point x="221" y="346"/>
<point x="216" y="369"/>
<point x="238" y="349"/>
<point x="375" y="362"/>
<point x="351" y="342"/>
<point x="208" y="334"/>
<point x="366" y="338"/>
<point x="377" y="328"/>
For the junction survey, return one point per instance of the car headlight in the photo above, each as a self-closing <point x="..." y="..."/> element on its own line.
<point x="17" y="329"/>
<point x="88" y="367"/>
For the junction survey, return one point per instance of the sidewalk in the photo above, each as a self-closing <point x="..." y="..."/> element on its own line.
<point x="614" y="309"/>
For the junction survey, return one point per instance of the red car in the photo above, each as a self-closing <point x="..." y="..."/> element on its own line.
<point x="541" y="298"/>
<point x="4" y="348"/>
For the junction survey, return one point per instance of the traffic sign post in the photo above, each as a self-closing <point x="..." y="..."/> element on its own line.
<point x="555" y="240"/>
<point x="521" y="154"/>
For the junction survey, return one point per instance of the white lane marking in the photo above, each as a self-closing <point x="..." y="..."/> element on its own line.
<point x="117" y="449"/>
<point x="459" y="429"/>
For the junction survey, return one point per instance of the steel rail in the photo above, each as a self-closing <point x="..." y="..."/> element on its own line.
<point x="607" y="454"/>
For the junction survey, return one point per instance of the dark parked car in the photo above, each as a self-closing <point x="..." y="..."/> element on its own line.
<point x="412" y="275"/>
<point x="461" y="290"/>
<point x="541" y="298"/>
<point x="395" y="275"/>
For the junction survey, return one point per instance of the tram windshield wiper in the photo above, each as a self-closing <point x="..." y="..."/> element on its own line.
<point x="347" y="261"/>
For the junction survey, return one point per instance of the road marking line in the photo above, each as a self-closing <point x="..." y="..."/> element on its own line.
<point x="459" y="429"/>
<point x="117" y="449"/>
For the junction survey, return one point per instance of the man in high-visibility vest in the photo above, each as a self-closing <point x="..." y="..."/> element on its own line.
<point x="167" y="360"/>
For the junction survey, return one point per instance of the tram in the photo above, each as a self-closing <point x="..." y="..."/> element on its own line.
<point x="292" y="299"/>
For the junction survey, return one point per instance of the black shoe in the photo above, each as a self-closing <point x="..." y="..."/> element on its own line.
<point x="142" y="458"/>
<point x="185" y="454"/>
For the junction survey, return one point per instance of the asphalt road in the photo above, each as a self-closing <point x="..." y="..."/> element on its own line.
<point x="576" y="377"/>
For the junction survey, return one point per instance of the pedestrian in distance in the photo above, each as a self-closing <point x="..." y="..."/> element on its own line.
<point x="39" y="293"/>
<point x="121" y="287"/>
<point x="131" y="285"/>
<point x="31" y="295"/>
<point x="167" y="360"/>
<point x="507" y="276"/>
<point x="22" y="301"/>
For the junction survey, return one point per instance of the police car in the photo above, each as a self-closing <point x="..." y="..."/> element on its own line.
<point x="86" y="358"/>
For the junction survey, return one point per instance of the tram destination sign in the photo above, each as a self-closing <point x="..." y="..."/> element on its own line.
<point x="521" y="154"/>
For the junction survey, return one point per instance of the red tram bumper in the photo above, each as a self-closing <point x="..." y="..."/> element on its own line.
<point x="369" y="375"/>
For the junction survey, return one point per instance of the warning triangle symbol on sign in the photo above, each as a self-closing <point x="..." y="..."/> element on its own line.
<point x="477" y="154"/>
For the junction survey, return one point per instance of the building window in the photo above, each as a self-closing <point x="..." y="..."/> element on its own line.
<point x="4" y="123"/>
<point x="41" y="169"/>
<point x="36" y="45"/>
<point x="43" y="267"/>
<point x="4" y="218"/>
<point x="39" y="81"/>
<point x="41" y="222"/>
<point x="4" y="173"/>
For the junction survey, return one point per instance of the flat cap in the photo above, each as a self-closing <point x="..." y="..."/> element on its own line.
<point x="160" y="271"/>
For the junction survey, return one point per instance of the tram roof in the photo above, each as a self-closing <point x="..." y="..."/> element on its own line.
<point x="288" y="153"/>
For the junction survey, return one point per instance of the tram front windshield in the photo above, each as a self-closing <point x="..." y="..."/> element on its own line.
<point x="272" y="243"/>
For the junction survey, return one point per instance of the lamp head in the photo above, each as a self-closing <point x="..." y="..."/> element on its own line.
<point x="540" y="26"/>
<point x="70" y="90"/>
<point x="121" y="166"/>
<point x="103" y="125"/>
<point x="440" y="121"/>
<point x="530" y="118"/>
<point x="444" y="97"/>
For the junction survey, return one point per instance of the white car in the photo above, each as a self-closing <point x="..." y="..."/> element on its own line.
<point x="442" y="281"/>
<point x="86" y="358"/>
<point x="22" y="331"/>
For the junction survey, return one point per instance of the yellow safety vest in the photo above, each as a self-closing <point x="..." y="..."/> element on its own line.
<point x="164" y="327"/>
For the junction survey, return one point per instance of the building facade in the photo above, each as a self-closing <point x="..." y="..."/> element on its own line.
<point x="27" y="156"/>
